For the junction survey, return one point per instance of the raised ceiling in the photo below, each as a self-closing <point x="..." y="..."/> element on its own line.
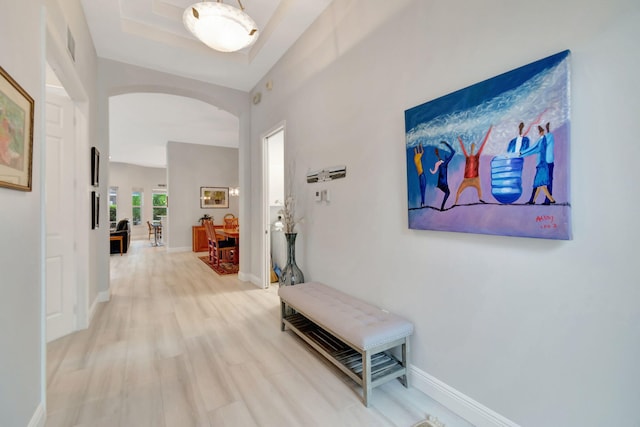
<point x="141" y="124"/>
<point x="150" y="33"/>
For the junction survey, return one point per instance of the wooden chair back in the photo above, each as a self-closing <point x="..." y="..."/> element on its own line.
<point x="230" y="222"/>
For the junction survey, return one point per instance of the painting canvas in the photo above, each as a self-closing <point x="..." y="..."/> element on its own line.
<point x="214" y="197"/>
<point x="493" y="158"/>
<point x="16" y="134"/>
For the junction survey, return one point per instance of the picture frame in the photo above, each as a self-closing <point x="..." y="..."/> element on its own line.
<point x="500" y="148"/>
<point x="16" y="134"/>
<point x="95" y="167"/>
<point x="214" y="197"/>
<point x="95" y="210"/>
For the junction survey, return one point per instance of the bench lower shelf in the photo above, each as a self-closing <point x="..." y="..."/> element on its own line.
<point x="383" y="366"/>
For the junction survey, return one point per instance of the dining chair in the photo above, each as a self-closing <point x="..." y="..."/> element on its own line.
<point x="151" y="230"/>
<point x="219" y="249"/>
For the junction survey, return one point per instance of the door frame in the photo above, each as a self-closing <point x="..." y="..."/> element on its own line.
<point x="266" y="223"/>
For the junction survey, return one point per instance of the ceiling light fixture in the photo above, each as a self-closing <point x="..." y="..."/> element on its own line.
<point x="220" y="26"/>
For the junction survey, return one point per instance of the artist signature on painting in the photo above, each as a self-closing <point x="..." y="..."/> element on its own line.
<point x="546" y="222"/>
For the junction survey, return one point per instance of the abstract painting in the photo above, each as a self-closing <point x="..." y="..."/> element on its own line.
<point x="493" y="158"/>
<point x="16" y="134"/>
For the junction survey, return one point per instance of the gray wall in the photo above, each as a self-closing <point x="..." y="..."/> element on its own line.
<point x="190" y="167"/>
<point x="543" y="332"/>
<point x="127" y="177"/>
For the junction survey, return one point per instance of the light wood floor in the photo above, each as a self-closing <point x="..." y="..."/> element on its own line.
<point x="178" y="345"/>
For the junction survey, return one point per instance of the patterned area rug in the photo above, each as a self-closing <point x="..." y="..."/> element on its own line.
<point x="225" y="267"/>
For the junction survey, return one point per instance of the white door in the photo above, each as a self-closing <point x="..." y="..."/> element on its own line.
<point x="59" y="189"/>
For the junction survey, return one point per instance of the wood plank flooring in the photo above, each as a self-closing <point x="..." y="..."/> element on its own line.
<point x="179" y="345"/>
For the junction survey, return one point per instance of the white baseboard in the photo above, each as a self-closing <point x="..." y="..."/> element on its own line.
<point x="462" y="405"/>
<point x="246" y="277"/>
<point x="39" y="417"/>
<point x="179" y="249"/>
<point x="103" y="296"/>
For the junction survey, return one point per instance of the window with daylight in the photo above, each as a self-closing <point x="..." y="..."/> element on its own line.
<point x="113" y="206"/>
<point x="136" y="204"/>
<point x="159" y="204"/>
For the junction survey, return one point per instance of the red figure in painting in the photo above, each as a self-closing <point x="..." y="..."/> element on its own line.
<point x="471" y="168"/>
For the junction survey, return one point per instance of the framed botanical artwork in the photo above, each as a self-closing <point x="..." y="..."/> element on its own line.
<point x="493" y="158"/>
<point x="214" y="197"/>
<point x="16" y="134"/>
<point x="95" y="167"/>
<point x="95" y="210"/>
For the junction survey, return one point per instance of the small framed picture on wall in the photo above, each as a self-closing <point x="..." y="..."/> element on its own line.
<point x="95" y="210"/>
<point x="95" y="167"/>
<point x="214" y="197"/>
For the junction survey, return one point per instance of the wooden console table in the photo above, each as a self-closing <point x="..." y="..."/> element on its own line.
<point x="199" y="240"/>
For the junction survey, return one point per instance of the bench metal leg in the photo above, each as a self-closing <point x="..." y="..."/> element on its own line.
<point x="405" y="363"/>
<point x="282" y="311"/>
<point x="366" y="377"/>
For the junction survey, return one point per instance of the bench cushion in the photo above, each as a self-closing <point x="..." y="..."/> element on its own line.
<point x="357" y="322"/>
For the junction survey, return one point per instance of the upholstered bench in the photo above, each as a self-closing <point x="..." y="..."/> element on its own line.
<point x="358" y="338"/>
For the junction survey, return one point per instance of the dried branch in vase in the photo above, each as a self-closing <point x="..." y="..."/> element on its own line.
<point x="288" y="213"/>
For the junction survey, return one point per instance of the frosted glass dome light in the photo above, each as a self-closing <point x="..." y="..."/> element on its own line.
<point x="220" y="26"/>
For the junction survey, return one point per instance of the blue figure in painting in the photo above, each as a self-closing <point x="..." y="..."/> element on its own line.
<point x="520" y="142"/>
<point x="549" y="159"/>
<point x="441" y="167"/>
<point x="417" y="159"/>
<point x="541" y="178"/>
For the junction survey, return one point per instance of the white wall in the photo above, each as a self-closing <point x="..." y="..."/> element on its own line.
<point x="543" y="332"/>
<point x="190" y="167"/>
<point x="21" y="228"/>
<point x="79" y="80"/>
<point x="22" y="49"/>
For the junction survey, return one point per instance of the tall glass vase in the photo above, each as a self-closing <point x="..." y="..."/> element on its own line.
<point x="291" y="273"/>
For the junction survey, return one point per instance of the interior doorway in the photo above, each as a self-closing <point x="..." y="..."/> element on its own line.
<point x="65" y="267"/>
<point x="274" y="247"/>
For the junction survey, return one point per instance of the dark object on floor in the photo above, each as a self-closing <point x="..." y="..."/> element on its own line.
<point x="122" y="229"/>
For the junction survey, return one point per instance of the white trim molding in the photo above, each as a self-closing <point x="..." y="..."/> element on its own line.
<point x="39" y="417"/>
<point x="103" y="296"/>
<point x="179" y="249"/>
<point x="248" y="277"/>
<point x="462" y="405"/>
